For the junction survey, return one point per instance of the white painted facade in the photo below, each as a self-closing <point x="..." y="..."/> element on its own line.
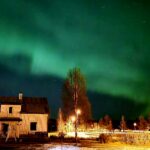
<point x="41" y="121"/>
<point x="29" y="123"/>
<point x="4" y="110"/>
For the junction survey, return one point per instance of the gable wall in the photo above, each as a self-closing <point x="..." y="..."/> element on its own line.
<point x="40" y="119"/>
<point x="4" y="111"/>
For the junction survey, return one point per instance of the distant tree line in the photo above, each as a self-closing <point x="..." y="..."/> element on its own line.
<point x="141" y="124"/>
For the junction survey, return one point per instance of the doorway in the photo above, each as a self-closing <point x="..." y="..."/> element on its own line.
<point x="5" y="128"/>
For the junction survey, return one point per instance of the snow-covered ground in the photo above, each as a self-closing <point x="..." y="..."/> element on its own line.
<point x="98" y="147"/>
<point x="128" y="140"/>
<point x="89" y="146"/>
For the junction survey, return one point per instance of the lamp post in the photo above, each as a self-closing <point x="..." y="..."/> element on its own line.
<point x="134" y="124"/>
<point x="77" y="113"/>
<point x="74" y="120"/>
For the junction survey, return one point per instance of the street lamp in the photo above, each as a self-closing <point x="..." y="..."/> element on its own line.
<point x="134" y="124"/>
<point x="77" y="113"/>
<point x="73" y="119"/>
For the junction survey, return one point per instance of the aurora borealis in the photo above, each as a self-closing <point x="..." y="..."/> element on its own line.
<point x="40" y="40"/>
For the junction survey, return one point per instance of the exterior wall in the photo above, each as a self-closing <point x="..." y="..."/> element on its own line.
<point x="24" y="125"/>
<point x="4" y="111"/>
<point x="40" y="119"/>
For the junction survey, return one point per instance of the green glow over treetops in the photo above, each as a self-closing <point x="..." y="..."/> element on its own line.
<point x="107" y="40"/>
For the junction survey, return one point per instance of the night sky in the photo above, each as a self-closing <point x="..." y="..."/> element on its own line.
<point x="109" y="40"/>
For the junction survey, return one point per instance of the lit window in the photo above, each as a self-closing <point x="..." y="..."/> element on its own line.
<point x="33" y="126"/>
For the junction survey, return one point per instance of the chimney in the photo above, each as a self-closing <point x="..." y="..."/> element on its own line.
<point x="20" y="96"/>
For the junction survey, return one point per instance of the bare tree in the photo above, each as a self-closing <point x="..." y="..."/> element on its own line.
<point x="142" y="125"/>
<point x="110" y="126"/>
<point x="123" y="125"/>
<point x="60" y="122"/>
<point x="74" y="95"/>
<point x="148" y="121"/>
<point x="106" y="122"/>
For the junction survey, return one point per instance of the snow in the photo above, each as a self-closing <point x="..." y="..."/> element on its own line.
<point x="109" y="146"/>
<point x="87" y="146"/>
<point x="65" y="147"/>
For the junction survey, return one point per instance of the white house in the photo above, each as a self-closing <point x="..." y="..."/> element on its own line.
<point x="25" y="115"/>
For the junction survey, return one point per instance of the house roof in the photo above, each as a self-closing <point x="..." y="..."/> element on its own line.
<point x="9" y="100"/>
<point x="30" y="105"/>
<point x="35" y="105"/>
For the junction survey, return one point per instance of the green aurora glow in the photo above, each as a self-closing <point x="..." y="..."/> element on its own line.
<point x="107" y="39"/>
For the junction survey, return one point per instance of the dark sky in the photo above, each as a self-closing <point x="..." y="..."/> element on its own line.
<point x="109" y="40"/>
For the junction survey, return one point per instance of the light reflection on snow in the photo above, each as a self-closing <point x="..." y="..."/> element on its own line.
<point x="65" y="147"/>
<point x="98" y="147"/>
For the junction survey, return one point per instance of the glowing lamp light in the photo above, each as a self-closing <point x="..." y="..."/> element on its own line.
<point x="73" y="118"/>
<point x="134" y="124"/>
<point x="78" y="111"/>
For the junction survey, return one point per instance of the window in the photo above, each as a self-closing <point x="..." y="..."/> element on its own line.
<point x="33" y="126"/>
<point x="10" y="110"/>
